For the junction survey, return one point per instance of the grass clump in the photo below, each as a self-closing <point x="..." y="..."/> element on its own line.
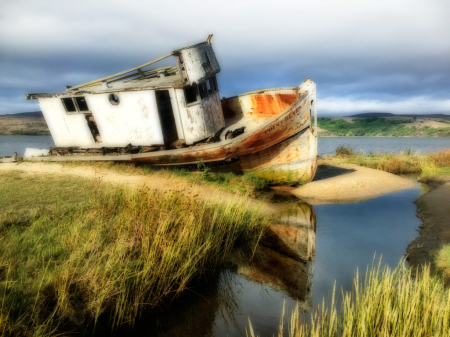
<point x="113" y="256"/>
<point x="344" y="151"/>
<point x="387" y="303"/>
<point x="443" y="260"/>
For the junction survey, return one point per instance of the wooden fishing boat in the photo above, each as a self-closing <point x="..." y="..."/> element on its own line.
<point x="173" y="116"/>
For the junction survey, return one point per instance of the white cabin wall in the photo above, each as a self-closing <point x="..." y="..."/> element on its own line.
<point x="66" y="130"/>
<point x="200" y="120"/>
<point x="192" y="123"/>
<point x="215" y="108"/>
<point x="176" y="112"/>
<point x="134" y="120"/>
<point x="195" y="62"/>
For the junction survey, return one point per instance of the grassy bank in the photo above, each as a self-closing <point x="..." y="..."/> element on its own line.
<point x="430" y="164"/>
<point x="21" y="195"/>
<point x="108" y="253"/>
<point x="387" y="303"/>
<point x="244" y="184"/>
<point x="375" y="126"/>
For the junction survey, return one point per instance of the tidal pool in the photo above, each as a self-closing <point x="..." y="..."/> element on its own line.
<point x="308" y="250"/>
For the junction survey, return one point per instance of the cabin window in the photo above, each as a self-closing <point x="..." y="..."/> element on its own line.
<point x="208" y="87"/>
<point x="81" y="104"/>
<point x="114" y="99"/>
<point x="208" y="62"/>
<point x="202" y="90"/>
<point x="69" y="105"/>
<point x="190" y="94"/>
<point x="75" y="104"/>
<point x="214" y="83"/>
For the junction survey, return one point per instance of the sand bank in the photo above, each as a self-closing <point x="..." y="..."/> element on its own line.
<point x="333" y="184"/>
<point x="434" y="210"/>
<point x="349" y="183"/>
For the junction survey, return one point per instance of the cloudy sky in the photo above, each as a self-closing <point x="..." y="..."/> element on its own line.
<point x="383" y="55"/>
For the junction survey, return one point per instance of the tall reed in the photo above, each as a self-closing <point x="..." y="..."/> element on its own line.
<point x="386" y="303"/>
<point x="114" y="256"/>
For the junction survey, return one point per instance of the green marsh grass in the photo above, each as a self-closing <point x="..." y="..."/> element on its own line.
<point x="22" y="195"/>
<point x="429" y="164"/>
<point x="387" y="303"/>
<point x="376" y="126"/>
<point x="113" y="255"/>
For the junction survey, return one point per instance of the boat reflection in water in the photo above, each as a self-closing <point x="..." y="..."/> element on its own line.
<point x="220" y="305"/>
<point x="285" y="259"/>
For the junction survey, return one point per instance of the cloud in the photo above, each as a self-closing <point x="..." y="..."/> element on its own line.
<point x="364" y="49"/>
<point x="415" y="105"/>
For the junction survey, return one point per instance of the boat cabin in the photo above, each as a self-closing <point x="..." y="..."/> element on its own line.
<point x="166" y="107"/>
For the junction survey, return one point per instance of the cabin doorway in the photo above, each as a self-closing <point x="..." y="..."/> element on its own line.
<point x="93" y="128"/>
<point x="169" y="128"/>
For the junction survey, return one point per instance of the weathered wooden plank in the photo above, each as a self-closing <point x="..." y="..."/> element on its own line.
<point x="76" y="87"/>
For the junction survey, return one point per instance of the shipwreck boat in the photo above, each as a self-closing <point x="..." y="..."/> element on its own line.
<point x="174" y="116"/>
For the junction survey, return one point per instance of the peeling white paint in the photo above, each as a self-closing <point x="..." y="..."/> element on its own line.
<point x="200" y="62"/>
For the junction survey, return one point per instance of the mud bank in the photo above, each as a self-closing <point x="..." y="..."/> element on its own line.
<point x="349" y="183"/>
<point x="433" y="208"/>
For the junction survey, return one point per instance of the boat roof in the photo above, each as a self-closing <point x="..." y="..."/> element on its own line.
<point x="137" y="78"/>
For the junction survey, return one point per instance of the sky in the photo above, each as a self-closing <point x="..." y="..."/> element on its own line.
<point x="365" y="56"/>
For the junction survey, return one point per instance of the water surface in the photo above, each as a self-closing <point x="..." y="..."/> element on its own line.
<point x="327" y="145"/>
<point x="11" y="144"/>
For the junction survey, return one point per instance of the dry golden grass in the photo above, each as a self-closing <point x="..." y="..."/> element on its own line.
<point x="441" y="158"/>
<point x="388" y="303"/>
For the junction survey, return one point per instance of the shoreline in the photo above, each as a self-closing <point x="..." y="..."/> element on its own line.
<point x="342" y="182"/>
<point x="433" y="208"/>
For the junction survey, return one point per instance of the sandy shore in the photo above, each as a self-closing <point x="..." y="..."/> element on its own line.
<point x="333" y="184"/>
<point x="350" y="183"/>
<point x="434" y="210"/>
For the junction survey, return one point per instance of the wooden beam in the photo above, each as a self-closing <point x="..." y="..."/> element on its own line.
<point x="75" y="87"/>
<point x="132" y="75"/>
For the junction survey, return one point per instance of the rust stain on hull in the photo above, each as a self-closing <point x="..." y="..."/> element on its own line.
<point x="272" y="104"/>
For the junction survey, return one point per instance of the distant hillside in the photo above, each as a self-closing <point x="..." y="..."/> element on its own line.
<point x="25" y="123"/>
<point x="25" y="114"/>
<point x="386" y="125"/>
<point x="388" y="114"/>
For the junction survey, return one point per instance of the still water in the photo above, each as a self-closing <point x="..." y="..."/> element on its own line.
<point x="11" y="144"/>
<point x="346" y="238"/>
<point x="327" y="145"/>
